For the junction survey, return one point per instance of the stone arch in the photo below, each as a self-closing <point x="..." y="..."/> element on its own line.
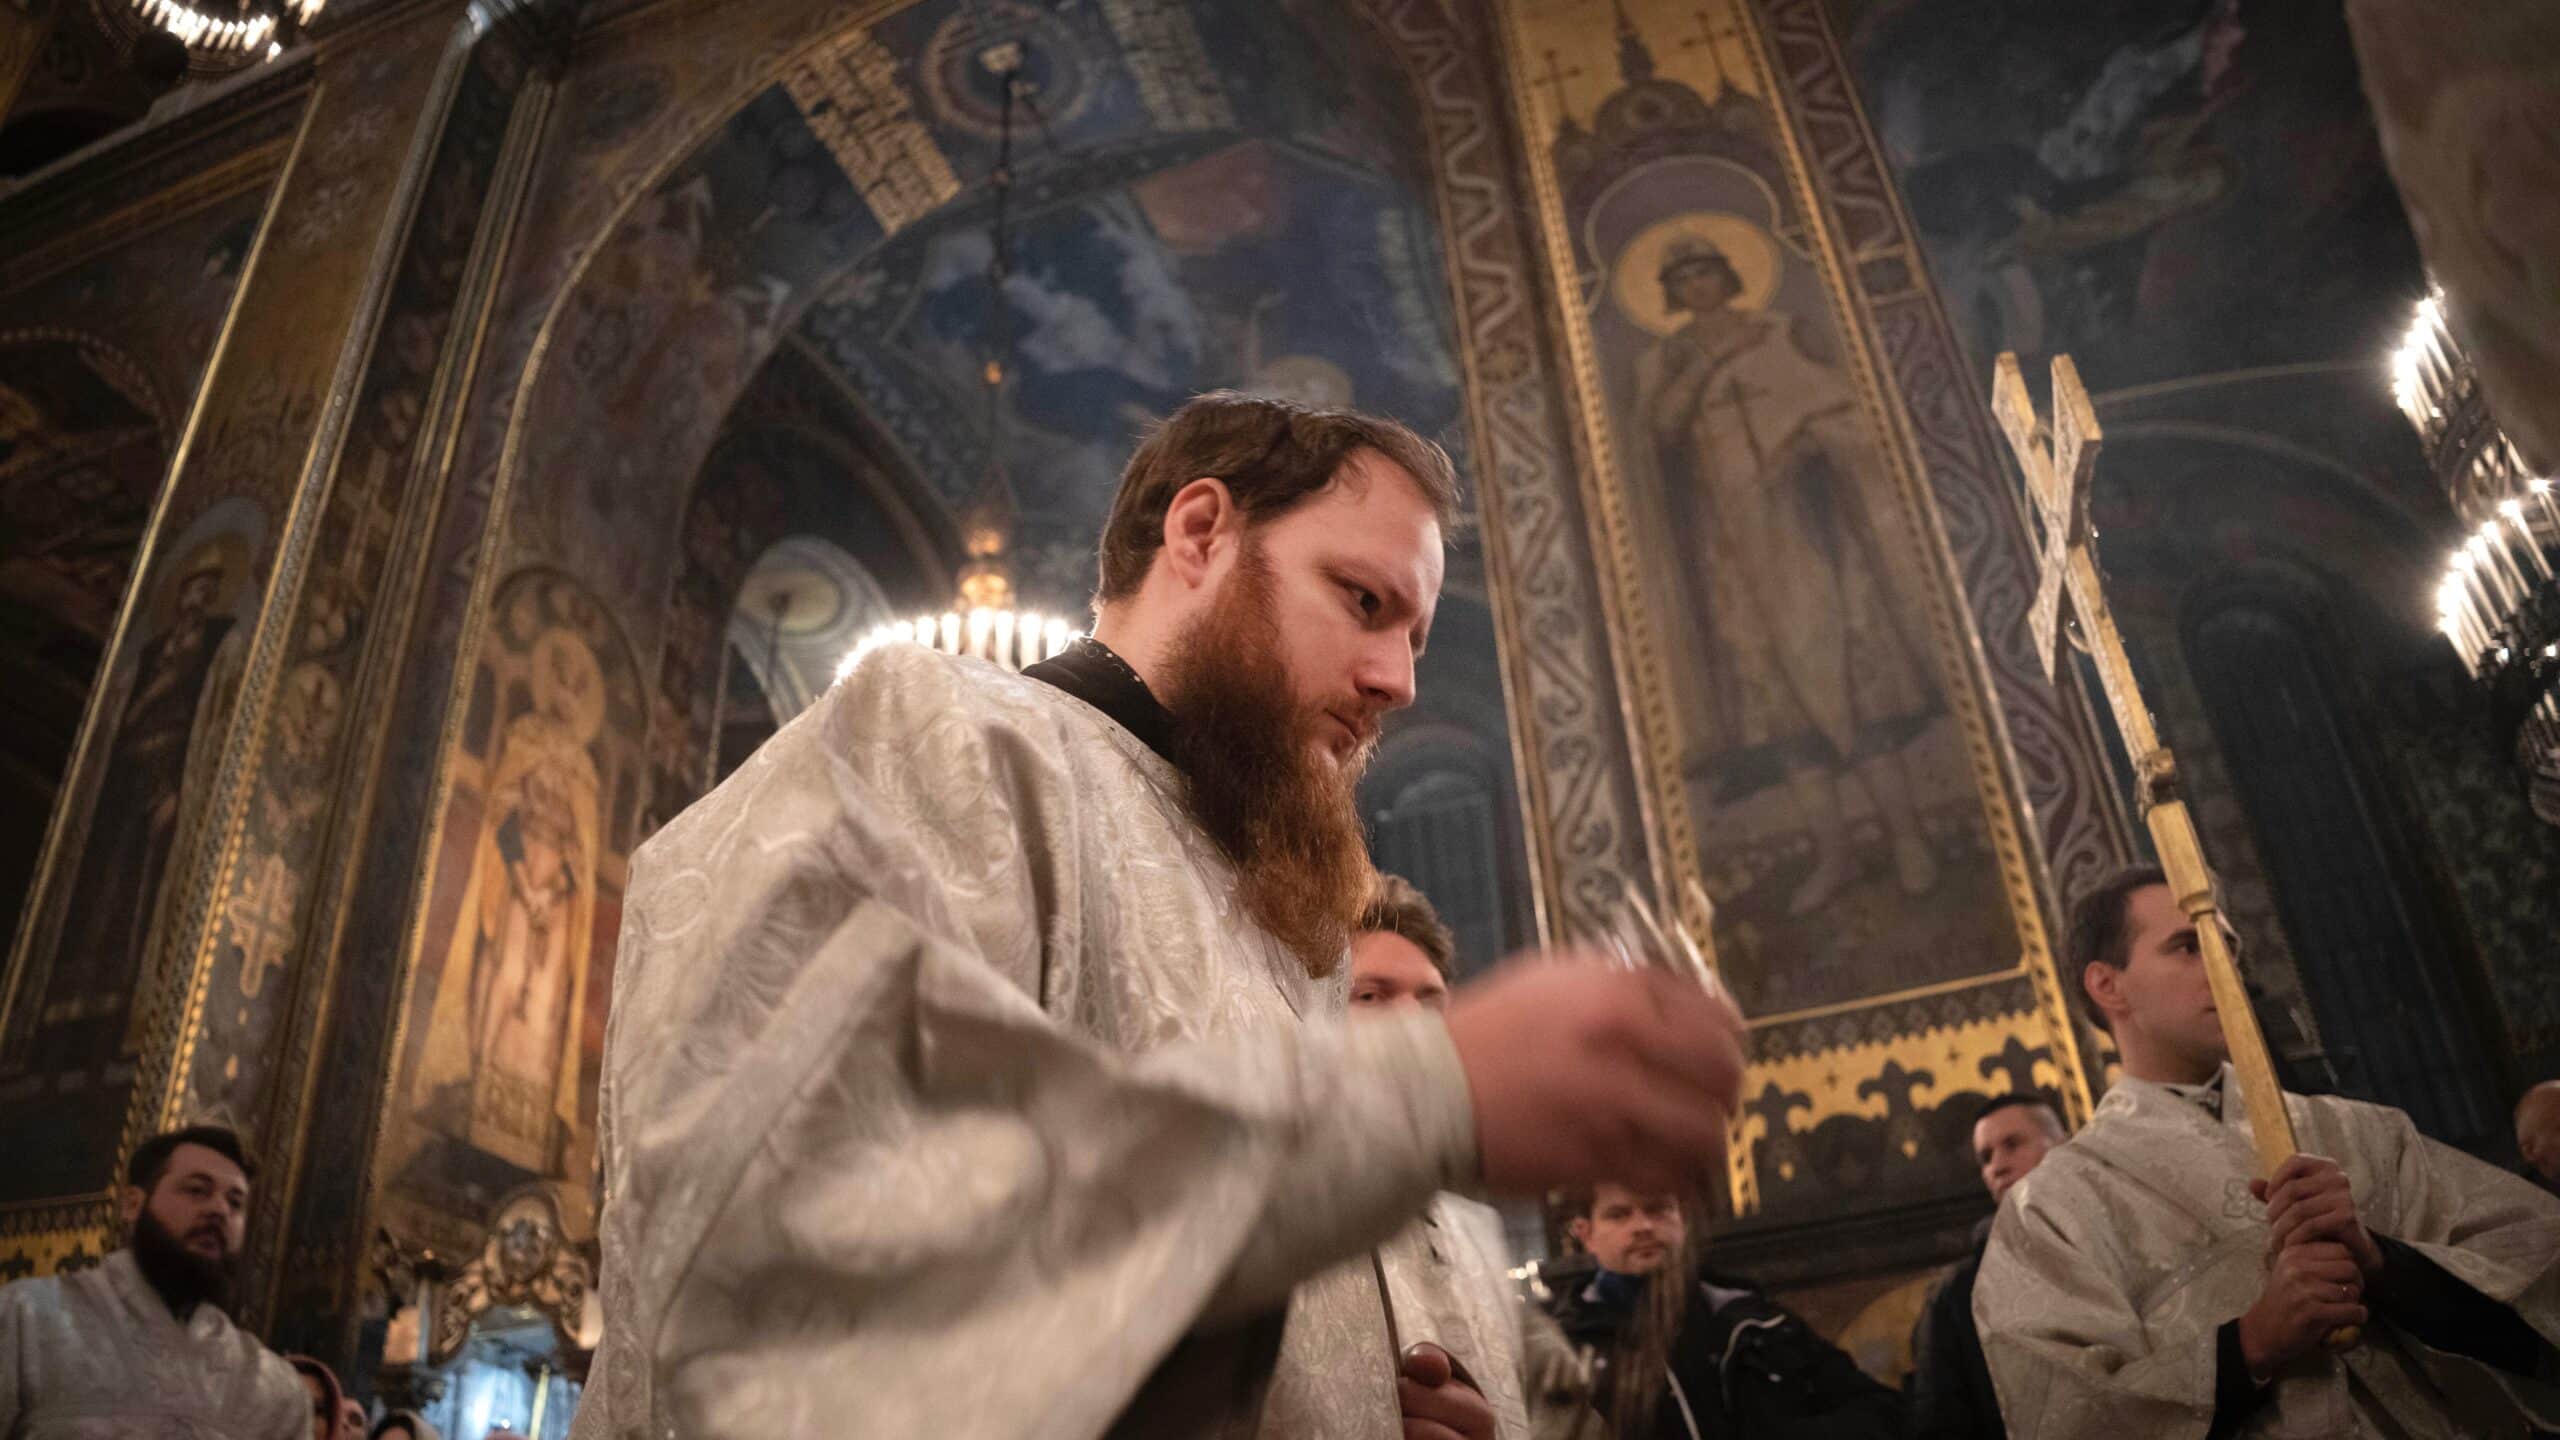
<point x="764" y="483"/>
<point x="1439" y="810"/>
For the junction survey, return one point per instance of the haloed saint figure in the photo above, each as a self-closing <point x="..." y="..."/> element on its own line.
<point x="1812" y="676"/>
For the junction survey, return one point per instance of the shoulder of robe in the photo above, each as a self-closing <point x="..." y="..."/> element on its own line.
<point x="909" y="683"/>
<point x="2057" y="1196"/>
<point x="2364" y="1114"/>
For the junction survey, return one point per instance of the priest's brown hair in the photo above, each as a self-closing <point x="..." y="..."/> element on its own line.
<point x="1272" y="454"/>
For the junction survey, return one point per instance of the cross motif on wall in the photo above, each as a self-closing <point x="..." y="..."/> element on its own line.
<point x="1554" y="77"/>
<point x="1714" y="28"/>
<point x="261" y="913"/>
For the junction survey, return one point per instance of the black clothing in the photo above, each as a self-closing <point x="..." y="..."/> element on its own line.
<point x="1742" y="1367"/>
<point x="1091" y="672"/>
<point x="1950" y="1391"/>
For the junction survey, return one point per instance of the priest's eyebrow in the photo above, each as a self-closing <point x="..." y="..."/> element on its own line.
<point x="1394" y="599"/>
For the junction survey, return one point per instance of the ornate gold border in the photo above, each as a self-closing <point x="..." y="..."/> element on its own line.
<point x="503" y="221"/>
<point x="1959" y="662"/>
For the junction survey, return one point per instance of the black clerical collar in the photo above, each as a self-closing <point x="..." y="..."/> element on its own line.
<point x="1091" y="672"/>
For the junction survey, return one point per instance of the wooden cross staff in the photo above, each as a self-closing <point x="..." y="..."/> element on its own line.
<point x="2061" y="460"/>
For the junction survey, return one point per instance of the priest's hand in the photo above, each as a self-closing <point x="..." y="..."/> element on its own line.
<point x="1437" y="1401"/>
<point x="2309" y="1200"/>
<point x="2313" y="1287"/>
<point x="1581" y="1073"/>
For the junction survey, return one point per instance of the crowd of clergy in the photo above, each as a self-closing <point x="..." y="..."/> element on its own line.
<point x="1015" y="1055"/>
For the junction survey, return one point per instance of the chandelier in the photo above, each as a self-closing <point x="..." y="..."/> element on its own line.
<point x="219" y="35"/>
<point x="2498" y="603"/>
<point x="982" y="621"/>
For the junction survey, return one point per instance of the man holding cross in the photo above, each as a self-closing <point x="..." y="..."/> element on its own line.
<point x="2211" y="1256"/>
<point x="2144" y="1281"/>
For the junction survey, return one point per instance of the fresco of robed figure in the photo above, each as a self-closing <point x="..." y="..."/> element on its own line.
<point x="1839" y="829"/>
<point x="507" y="1003"/>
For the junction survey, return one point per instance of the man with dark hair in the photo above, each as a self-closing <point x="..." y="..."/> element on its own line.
<point x="976" y="1062"/>
<point x="1682" y="1353"/>
<point x="2143" y="1281"/>
<point x="2098" y="932"/>
<point x="1401" y="950"/>
<point x="1950" y="1389"/>
<point x="138" y="1343"/>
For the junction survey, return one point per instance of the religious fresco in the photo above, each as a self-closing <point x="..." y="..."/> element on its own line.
<point x="1837" y="823"/>
<point x="166" y="712"/>
<point x="1806" y="533"/>
<point x="2188" y="196"/>
<point x="495" y="1082"/>
<point x="98" y="358"/>
<point x="116" y="278"/>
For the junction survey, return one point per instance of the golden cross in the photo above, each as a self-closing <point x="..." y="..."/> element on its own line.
<point x="2061" y="461"/>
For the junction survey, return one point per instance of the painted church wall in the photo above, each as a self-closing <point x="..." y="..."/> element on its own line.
<point x="1819" y="578"/>
<point x="2189" y="198"/>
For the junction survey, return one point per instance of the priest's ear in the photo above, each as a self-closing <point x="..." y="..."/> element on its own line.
<point x="1202" y="524"/>
<point x="2104" y="985"/>
<point x="129" y="1200"/>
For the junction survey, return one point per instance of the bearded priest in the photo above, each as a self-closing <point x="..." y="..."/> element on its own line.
<point x="976" y="1062"/>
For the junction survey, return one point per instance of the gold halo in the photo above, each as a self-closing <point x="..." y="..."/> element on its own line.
<point x="1637" y="285"/>
<point x="224" y="550"/>
<point x="568" y="684"/>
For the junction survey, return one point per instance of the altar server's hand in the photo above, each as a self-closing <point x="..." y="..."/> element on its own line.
<point x="2309" y="1200"/>
<point x="1437" y="1403"/>
<point x="2312" y="1289"/>
<point x="1582" y="1073"/>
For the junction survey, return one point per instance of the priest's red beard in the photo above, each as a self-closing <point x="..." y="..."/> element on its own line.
<point x="1260" y="785"/>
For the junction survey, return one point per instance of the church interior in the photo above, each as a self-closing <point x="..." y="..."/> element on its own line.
<point x="442" y="439"/>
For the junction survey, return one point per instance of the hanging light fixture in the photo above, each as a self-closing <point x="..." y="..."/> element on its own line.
<point x="982" y="621"/>
<point x="219" y="35"/>
<point x="2498" y="603"/>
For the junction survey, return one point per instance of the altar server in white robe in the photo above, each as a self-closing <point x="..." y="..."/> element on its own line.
<point x="2142" y="1281"/>
<point x="975" y="1065"/>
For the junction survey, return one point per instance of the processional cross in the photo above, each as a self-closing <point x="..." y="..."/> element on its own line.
<point x="2061" y="461"/>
